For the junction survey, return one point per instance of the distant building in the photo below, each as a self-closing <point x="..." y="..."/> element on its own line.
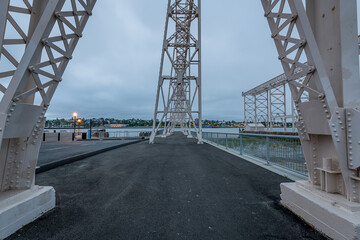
<point x="254" y="127"/>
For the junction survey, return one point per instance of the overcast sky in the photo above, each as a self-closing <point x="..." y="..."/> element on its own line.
<point x="115" y="67"/>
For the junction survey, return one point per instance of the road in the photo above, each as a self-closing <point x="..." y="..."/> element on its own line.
<point x="174" y="189"/>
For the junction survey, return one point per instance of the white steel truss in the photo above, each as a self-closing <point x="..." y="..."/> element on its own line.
<point x="178" y="98"/>
<point x="249" y="109"/>
<point x="47" y="33"/>
<point x="277" y="105"/>
<point x="262" y="108"/>
<point x="332" y="158"/>
<point x="267" y="103"/>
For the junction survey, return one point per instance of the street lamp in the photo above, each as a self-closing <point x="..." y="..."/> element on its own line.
<point x="74" y="120"/>
<point x="79" y="122"/>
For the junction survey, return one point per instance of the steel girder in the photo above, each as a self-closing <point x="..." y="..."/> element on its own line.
<point x="327" y="107"/>
<point x="46" y="41"/>
<point x="178" y="98"/>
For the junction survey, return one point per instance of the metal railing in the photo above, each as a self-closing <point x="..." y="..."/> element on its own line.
<point x="119" y="134"/>
<point x="280" y="150"/>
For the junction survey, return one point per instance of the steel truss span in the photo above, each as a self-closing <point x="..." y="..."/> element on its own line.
<point x="46" y="34"/>
<point x="178" y="99"/>
<point x="267" y="103"/>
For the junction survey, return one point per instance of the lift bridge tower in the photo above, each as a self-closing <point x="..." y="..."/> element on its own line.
<point x="178" y="98"/>
<point x="318" y="50"/>
<point x="37" y="41"/>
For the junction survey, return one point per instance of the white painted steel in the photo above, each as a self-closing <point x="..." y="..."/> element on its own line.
<point x="54" y="28"/>
<point x="326" y="38"/>
<point x="178" y="98"/>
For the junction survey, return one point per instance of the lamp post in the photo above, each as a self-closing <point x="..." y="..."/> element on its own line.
<point x="74" y="120"/>
<point x="79" y="122"/>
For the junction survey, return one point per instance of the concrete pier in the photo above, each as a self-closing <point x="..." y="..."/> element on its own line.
<point x="173" y="189"/>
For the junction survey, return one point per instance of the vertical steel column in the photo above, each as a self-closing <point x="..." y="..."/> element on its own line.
<point x="182" y="52"/>
<point x="262" y="109"/>
<point x="36" y="76"/>
<point x="322" y="43"/>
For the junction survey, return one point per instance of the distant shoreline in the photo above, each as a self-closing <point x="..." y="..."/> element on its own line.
<point x="125" y="127"/>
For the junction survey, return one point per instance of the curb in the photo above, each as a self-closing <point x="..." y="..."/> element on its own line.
<point x="58" y="163"/>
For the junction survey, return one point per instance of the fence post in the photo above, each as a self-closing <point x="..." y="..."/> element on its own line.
<point x="241" y="144"/>
<point x="267" y="150"/>
<point x="226" y="136"/>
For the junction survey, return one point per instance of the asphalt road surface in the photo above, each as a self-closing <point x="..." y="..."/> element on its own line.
<point x="174" y="189"/>
<point x="53" y="151"/>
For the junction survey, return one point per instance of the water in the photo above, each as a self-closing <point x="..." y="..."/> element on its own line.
<point x="137" y="130"/>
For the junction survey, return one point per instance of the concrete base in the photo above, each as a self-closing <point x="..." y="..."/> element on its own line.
<point x="330" y="214"/>
<point x="18" y="208"/>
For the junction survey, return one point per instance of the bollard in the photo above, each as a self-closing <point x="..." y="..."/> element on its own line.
<point x="43" y="137"/>
<point x="73" y="136"/>
<point x="58" y="137"/>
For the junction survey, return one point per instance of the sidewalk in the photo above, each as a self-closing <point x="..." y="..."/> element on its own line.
<point x="53" y="154"/>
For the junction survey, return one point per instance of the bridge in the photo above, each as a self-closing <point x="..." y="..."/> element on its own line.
<point x="317" y="46"/>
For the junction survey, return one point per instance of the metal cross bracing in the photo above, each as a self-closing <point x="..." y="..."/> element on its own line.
<point x="269" y="104"/>
<point x="37" y="40"/>
<point x="277" y="108"/>
<point x="327" y="59"/>
<point x="262" y="109"/>
<point x="249" y="109"/>
<point x="178" y="99"/>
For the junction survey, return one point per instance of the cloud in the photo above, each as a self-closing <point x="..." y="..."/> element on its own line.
<point x="115" y="67"/>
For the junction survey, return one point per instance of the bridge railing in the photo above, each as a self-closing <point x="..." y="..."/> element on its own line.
<point x="280" y="150"/>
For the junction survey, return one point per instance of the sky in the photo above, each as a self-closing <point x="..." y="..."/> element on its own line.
<point x="115" y="67"/>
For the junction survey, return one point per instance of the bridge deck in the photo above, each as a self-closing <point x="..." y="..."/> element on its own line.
<point x="174" y="189"/>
